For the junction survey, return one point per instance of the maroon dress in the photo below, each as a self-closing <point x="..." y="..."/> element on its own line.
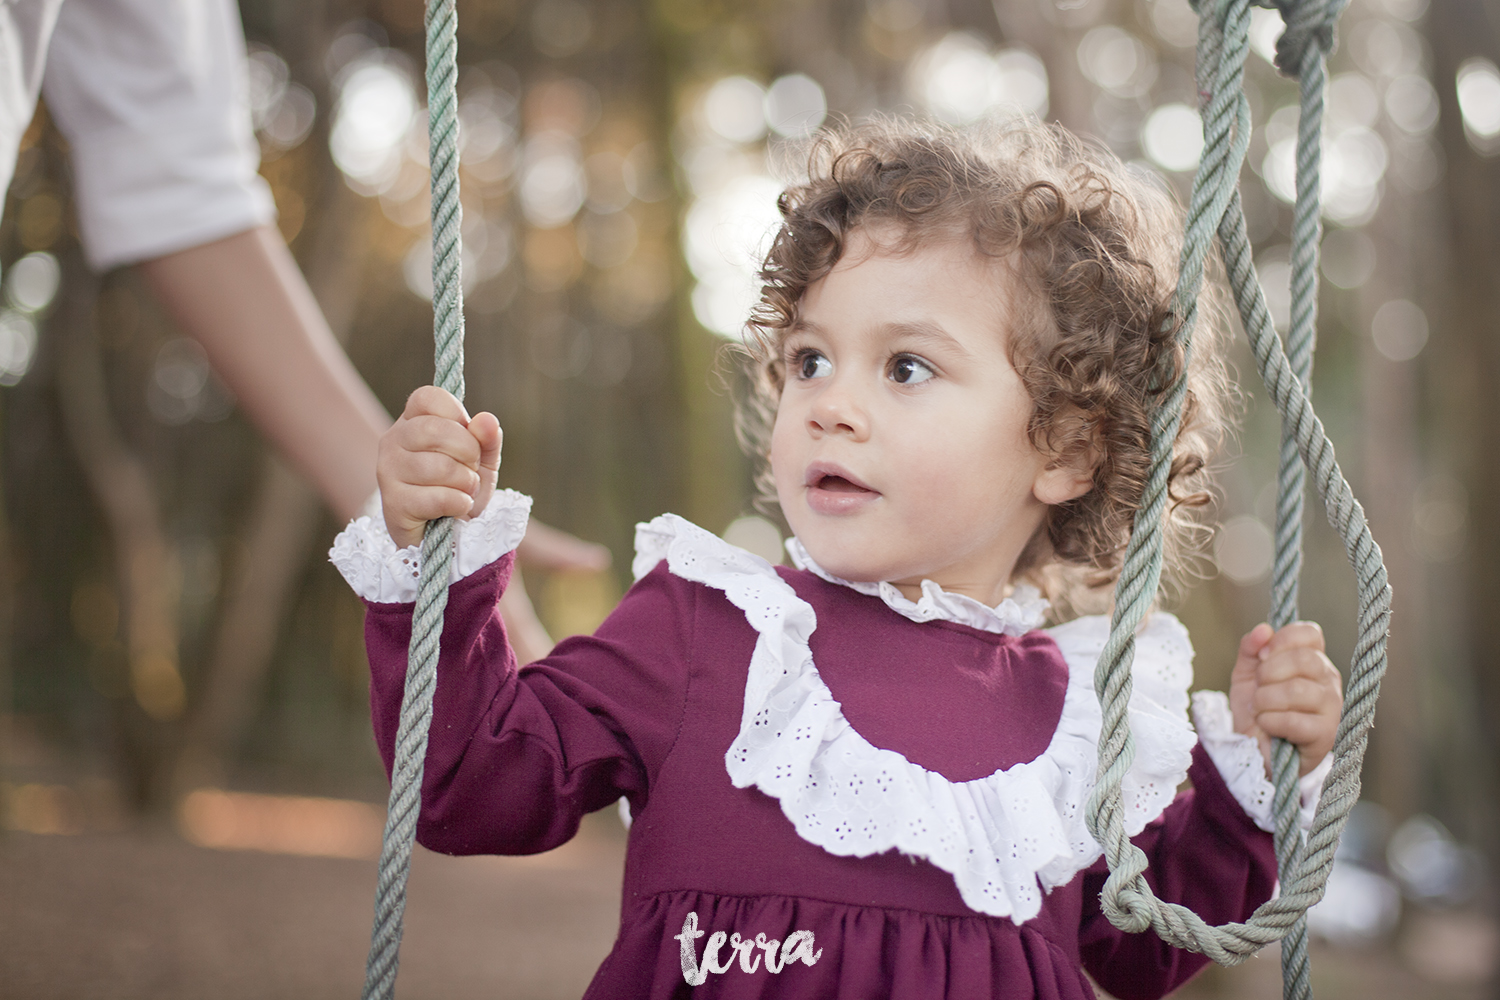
<point x="720" y="890"/>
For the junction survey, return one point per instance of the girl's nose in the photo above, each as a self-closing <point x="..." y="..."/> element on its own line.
<point x="835" y="410"/>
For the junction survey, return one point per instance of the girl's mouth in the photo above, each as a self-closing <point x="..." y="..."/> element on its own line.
<point x="838" y="484"/>
<point x="832" y="490"/>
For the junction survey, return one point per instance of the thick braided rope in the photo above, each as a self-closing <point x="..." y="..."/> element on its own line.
<point x="1224" y="148"/>
<point x="437" y="541"/>
<point x="1215" y="207"/>
<point x="1308" y="34"/>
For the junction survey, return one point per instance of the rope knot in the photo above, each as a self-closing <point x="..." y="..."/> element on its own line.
<point x="1126" y="898"/>
<point x="1308" y="23"/>
<point x="1125" y="905"/>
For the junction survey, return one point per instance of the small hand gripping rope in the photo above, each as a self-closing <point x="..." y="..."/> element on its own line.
<point x="1215" y="208"/>
<point x="437" y="541"/>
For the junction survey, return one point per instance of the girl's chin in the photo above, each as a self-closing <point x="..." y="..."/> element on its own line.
<point x="846" y="565"/>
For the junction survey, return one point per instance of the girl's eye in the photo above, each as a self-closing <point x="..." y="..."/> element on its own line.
<point x="811" y="364"/>
<point x="907" y="370"/>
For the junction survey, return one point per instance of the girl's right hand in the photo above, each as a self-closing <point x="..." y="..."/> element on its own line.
<point x="436" y="461"/>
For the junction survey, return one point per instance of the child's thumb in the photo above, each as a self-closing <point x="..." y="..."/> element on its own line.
<point x="486" y="430"/>
<point x="1248" y="655"/>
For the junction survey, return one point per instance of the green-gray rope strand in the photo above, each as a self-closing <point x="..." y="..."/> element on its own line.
<point x="437" y="541"/>
<point x="1308" y="21"/>
<point x="1214" y="208"/>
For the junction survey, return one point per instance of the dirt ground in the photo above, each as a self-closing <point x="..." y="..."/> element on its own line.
<point x="140" y="913"/>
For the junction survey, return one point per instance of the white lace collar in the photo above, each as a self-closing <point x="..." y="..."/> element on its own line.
<point x="1018" y="614"/>
<point x="1005" y="838"/>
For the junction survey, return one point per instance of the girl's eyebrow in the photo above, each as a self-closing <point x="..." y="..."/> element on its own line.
<point x="922" y="331"/>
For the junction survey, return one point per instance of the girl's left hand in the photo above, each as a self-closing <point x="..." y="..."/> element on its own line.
<point x="1283" y="685"/>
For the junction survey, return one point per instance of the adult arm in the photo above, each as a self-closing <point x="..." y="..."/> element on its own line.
<point x="245" y="301"/>
<point x="165" y="176"/>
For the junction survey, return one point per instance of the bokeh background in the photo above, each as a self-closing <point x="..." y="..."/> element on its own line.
<point x="204" y="822"/>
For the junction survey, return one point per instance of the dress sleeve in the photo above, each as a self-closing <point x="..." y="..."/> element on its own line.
<point x="1204" y="853"/>
<point x="517" y="757"/>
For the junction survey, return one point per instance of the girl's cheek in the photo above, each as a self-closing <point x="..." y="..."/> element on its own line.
<point x="780" y="443"/>
<point x="779" y="460"/>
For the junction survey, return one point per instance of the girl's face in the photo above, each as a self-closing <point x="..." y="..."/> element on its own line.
<point x="900" y="450"/>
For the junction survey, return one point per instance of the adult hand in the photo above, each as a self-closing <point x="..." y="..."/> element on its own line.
<point x="548" y="548"/>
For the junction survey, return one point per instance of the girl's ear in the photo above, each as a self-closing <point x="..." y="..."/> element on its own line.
<point x="1063" y="482"/>
<point x="1070" y="474"/>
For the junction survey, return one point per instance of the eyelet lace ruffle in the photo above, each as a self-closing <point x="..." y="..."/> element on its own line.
<point x="1005" y="838"/>
<point x="366" y="555"/>
<point x="1237" y="758"/>
<point x="1016" y="615"/>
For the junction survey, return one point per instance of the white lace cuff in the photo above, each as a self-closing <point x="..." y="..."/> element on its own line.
<point x="1242" y="767"/>
<point x="378" y="571"/>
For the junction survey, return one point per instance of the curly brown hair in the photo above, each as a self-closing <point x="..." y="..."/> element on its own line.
<point x="1094" y="243"/>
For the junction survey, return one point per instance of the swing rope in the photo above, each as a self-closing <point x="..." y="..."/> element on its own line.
<point x="1302" y="52"/>
<point x="1215" y="208"/>
<point x="437" y="540"/>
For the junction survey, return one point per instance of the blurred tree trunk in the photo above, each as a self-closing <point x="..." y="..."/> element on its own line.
<point x="7" y="619"/>
<point x="1468" y="396"/>
<point x="282" y="522"/>
<point x="1391" y="468"/>
<point x="146" y="566"/>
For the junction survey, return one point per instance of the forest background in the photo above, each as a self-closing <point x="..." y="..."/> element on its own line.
<point x="170" y="625"/>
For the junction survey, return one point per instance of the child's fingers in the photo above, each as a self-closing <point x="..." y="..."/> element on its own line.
<point x="1296" y="694"/>
<point x="1300" y="662"/>
<point x="407" y="508"/>
<point x="1242" y="678"/>
<point x="434" y="469"/>
<point x="439" y="435"/>
<point x="435" y="462"/>
<point x="1254" y="641"/>
<point x="1252" y="651"/>
<point x="1284" y="686"/>
<point x="429" y="400"/>
<point x="403" y="476"/>
<point x="1297" y="635"/>
<point x="1311" y="732"/>
<point x="1298" y="698"/>
<point x="1306" y="731"/>
<point x="420" y="504"/>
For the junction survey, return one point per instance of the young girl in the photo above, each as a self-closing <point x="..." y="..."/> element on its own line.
<point x="866" y="776"/>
